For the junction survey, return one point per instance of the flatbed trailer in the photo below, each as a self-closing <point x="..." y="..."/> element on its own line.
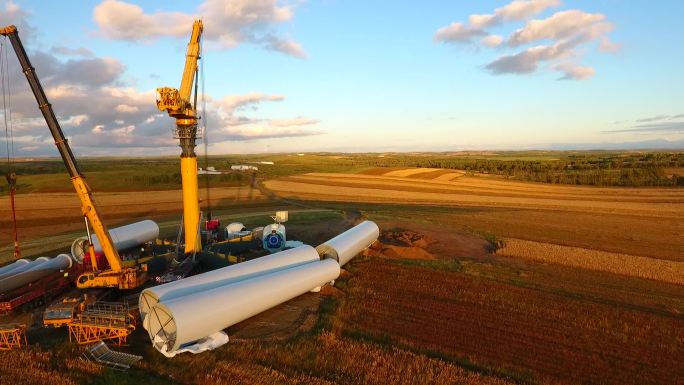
<point x="35" y="294"/>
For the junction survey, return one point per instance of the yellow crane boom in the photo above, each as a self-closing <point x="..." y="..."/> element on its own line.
<point x="178" y="105"/>
<point x="117" y="276"/>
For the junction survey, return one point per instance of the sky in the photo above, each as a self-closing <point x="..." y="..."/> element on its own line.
<point x="352" y="76"/>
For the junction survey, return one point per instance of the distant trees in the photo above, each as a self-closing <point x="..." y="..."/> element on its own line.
<point x="594" y="169"/>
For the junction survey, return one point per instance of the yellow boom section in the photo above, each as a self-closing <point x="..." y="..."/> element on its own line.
<point x="177" y="101"/>
<point x="177" y="104"/>
<point x="90" y="211"/>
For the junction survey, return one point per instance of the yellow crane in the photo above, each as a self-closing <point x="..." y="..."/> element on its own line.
<point x="178" y="105"/>
<point x="118" y="275"/>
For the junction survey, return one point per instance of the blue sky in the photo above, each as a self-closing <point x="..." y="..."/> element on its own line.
<point x="359" y="76"/>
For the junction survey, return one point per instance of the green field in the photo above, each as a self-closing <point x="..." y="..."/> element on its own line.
<point x="600" y="168"/>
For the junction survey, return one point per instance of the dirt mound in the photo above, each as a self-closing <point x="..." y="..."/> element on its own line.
<point x="402" y="244"/>
<point x="391" y="251"/>
<point x="402" y="237"/>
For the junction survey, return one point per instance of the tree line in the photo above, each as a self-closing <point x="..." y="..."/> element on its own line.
<point x="588" y="169"/>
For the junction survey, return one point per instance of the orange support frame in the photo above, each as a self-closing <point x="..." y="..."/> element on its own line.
<point x="102" y="321"/>
<point x="12" y="337"/>
<point x="87" y="333"/>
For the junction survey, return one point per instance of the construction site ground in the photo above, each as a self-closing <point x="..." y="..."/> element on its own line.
<point x="477" y="295"/>
<point x="312" y="226"/>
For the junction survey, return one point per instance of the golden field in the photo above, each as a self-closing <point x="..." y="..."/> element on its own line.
<point x="632" y="265"/>
<point x="633" y="231"/>
<point x="480" y="191"/>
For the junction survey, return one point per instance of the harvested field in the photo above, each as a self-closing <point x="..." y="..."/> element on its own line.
<point x="449" y="176"/>
<point x="669" y="172"/>
<point x="321" y="359"/>
<point x="39" y="367"/>
<point x="536" y="335"/>
<point x="475" y="191"/>
<point x="625" y="234"/>
<point x="315" y="359"/>
<point x="419" y="173"/>
<point x="632" y="265"/>
<point x="634" y="221"/>
<point x="410" y="171"/>
<point x="51" y="213"/>
<point x="415" y="173"/>
<point x="280" y="322"/>
<point x="379" y="170"/>
<point x="430" y="175"/>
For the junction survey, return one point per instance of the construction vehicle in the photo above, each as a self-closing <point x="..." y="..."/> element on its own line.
<point x="176" y="102"/>
<point x="62" y="313"/>
<point x="116" y="275"/>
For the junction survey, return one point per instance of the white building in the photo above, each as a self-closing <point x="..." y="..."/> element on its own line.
<point x="243" y="167"/>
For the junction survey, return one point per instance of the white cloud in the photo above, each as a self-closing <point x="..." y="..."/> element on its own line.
<point x="286" y="46"/>
<point x="226" y="23"/>
<point x="99" y="111"/>
<point x="66" y="51"/>
<point x="126" y="109"/>
<point x="240" y="127"/>
<point x="516" y="10"/>
<point x="492" y="40"/>
<point x="78" y="119"/>
<point x="63" y="90"/>
<point x="557" y="38"/>
<point x="13" y="14"/>
<point x="299" y="121"/>
<point x="564" y="25"/>
<point x="234" y="102"/>
<point x="126" y="21"/>
<point x="526" y="61"/>
<point x="481" y="21"/>
<point x="575" y="72"/>
<point x="457" y="32"/>
<point x="606" y="45"/>
<point x="264" y="131"/>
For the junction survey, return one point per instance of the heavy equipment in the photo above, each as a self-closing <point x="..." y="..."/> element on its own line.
<point x="176" y="102"/>
<point x="63" y="313"/>
<point x="116" y="275"/>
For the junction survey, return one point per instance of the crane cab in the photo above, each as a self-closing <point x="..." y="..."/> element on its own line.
<point x="127" y="278"/>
